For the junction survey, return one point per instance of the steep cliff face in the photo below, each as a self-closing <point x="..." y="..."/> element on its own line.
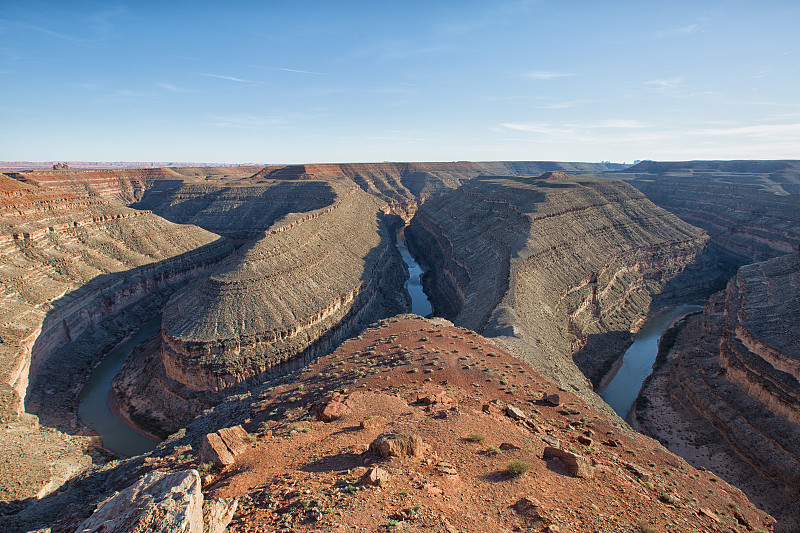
<point x="731" y="383"/>
<point x="312" y="280"/>
<point x="569" y="266"/>
<point x="238" y="209"/>
<point x="124" y="185"/>
<point x="749" y="208"/>
<point x="67" y="263"/>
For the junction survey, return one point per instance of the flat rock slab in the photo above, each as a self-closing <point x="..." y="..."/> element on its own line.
<point x="158" y="502"/>
<point x="222" y="447"/>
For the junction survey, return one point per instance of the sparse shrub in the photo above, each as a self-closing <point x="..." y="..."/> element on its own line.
<point x="205" y="468"/>
<point x="644" y="527"/>
<point x="475" y="437"/>
<point x="493" y="450"/>
<point x="517" y="467"/>
<point x="667" y="498"/>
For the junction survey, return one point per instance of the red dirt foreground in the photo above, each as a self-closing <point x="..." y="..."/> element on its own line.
<point x="416" y="425"/>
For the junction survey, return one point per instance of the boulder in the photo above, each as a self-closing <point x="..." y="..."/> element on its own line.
<point x="222" y="447"/>
<point x="578" y="465"/>
<point x="515" y="413"/>
<point x="217" y="514"/>
<point x="375" y="476"/>
<point x="398" y="445"/>
<point x="158" y="502"/>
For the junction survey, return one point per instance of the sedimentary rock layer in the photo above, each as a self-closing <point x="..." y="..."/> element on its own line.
<point x="735" y="369"/>
<point x="239" y="209"/>
<point x="301" y="288"/>
<point x="749" y="208"/>
<point x="68" y="263"/>
<point x="570" y="266"/>
<point x="124" y="185"/>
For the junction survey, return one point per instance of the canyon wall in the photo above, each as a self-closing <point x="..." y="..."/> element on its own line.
<point x="68" y="263"/>
<point x="564" y="266"/>
<point x="731" y="382"/>
<point x="749" y="208"/>
<point x="310" y="280"/>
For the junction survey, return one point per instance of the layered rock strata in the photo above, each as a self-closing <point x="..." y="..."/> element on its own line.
<point x="567" y="266"/>
<point x="124" y="185"/>
<point x="68" y="263"/>
<point x="731" y="385"/>
<point x="749" y="208"/>
<point x="234" y="209"/>
<point x="309" y="282"/>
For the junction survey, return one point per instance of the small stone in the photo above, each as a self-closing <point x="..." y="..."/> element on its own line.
<point x="709" y="513"/>
<point x="376" y="476"/>
<point x="586" y="441"/>
<point x="578" y="465"/>
<point x="554" y="399"/>
<point x="508" y="446"/>
<point x="515" y="413"/>
<point x="446" y="468"/>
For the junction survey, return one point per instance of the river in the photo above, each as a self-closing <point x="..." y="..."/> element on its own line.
<point x="420" y="305"/>
<point x="94" y="410"/>
<point x="637" y="363"/>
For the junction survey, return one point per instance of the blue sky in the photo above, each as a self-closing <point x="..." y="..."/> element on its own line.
<point x="324" y="81"/>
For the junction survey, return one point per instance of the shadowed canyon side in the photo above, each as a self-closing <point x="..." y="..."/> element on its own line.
<point x="69" y="263"/>
<point x="749" y="208"/>
<point x="557" y="266"/>
<point x="310" y="281"/>
<point x="727" y="393"/>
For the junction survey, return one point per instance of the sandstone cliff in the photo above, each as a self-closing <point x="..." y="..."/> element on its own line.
<point x="307" y="283"/>
<point x="749" y="208"/>
<point x="566" y="267"/>
<point x="730" y="384"/>
<point x="61" y="276"/>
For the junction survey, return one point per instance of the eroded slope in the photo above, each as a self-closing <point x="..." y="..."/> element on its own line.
<point x="307" y="283"/>
<point x="566" y="266"/>
<point x="473" y="409"/>
<point x="730" y="387"/>
<point x="749" y="208"/>
<point x="61" y="276"/>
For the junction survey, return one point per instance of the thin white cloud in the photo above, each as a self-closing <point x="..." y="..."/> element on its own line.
<point x="563" y="105"/>
<point x="245" y="121"/>
<point x="300" y="71"/>
<point x="547" y="75"/>
<point x="685" y="30"/>
<point x="667" y="83"/>
<point x="759" y="131"/>
<point x="622" y="124"/>
<point x="169" y="87"/>
<point x="229" y="78"/>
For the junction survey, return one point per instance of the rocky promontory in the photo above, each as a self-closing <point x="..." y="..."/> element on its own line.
<point x="727" y="395"/>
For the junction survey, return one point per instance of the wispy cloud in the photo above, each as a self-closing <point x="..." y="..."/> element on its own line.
<point x="563" y="105"/>
<point x="229" y="78"/>
<point x="685" y="30"/>
<point x="245" y="121"/>
<point x="169" y="87"/>
<point x="547" y="75"/>
<point x="300" y="71"/>
<point x="677" y="81"/>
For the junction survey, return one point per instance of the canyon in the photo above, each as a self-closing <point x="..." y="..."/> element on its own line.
<point x="259" y="271"/>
